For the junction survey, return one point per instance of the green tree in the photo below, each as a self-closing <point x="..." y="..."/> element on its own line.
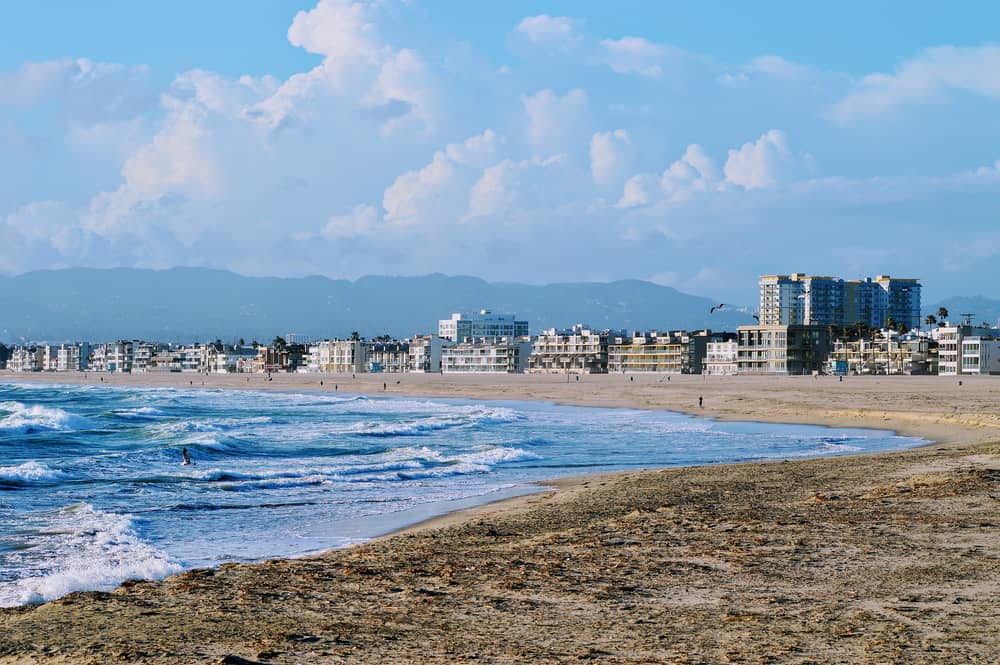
<point x="279" y="343"/>
<point x="930" y="320"/>
<point x="942" y="313"/>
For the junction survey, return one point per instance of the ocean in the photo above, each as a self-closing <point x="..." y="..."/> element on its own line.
<point x="93" y="491"/>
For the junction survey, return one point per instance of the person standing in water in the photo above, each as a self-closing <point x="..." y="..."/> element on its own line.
<point x="185" y="458"/>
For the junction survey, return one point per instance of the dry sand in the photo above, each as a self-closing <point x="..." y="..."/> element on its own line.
<point x="883" y="558"/>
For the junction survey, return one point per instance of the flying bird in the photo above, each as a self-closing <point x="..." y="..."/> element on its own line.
<point x="756" y="318"/>
<point x="719" y="306"/>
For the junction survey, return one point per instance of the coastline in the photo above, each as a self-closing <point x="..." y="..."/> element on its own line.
<point x="961" y="461"/>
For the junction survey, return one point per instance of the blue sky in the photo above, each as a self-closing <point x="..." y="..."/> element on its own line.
<point x="693" y="144"/>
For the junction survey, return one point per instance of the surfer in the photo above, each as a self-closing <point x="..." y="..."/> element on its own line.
<point x="186" y="458"/>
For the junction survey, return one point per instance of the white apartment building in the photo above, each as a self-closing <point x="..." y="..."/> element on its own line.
<point x="144" y="355"/>
<point x="487" y="355"/>
<point x="338" y="356"/>
<point x="578" y="350"/>
<point x="981" y="355"/>
<point x="73" y="357"/>
<point x="113" y="357"/>
<point x="484" y="323"/>
<point x="426" y="353"/>
<point x="721" y="358"/>
<point x="951" y="355"/>
<point x="26" y="359"/>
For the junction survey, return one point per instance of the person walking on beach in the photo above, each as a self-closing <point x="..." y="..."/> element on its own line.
<point x="701" y="402"/>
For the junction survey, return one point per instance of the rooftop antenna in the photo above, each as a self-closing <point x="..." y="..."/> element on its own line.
<point x="968" y="317"/>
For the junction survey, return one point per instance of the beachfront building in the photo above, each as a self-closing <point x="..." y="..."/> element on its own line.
<point x="481" y="324"/>
<point x="782" y="349"/>
<point x="950" y="341"/>
<point x="73" y="357"/>
<point x="229" y="359"/>
<point x="578" y="350"/>
<point x="664" y="353"/>
<point x="487" y="355"/>
<point x="800" y="299"/>
<point x="338" y="356"/>
<point x="981" y="355"/>
<point x="388" y="356"/>
<point x="143" y="356"/>
<point x="26" y="359"/>
<point x="721" y="358"/>
<point x="887" y="353"/>
<point x="113" y="357"/>
<point x="900" y="300"/>
<point x="427" y="353"/>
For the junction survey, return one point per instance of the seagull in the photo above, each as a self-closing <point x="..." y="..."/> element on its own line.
<point x="719" y="306"/>
<point x="756" y="318"/>
<point x="802" y="296"/>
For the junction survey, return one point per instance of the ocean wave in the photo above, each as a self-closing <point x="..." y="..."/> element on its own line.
<point x="139" y="413"/>
<point x="24" y="419"/>
<point x="180" y="427"/>
<point x="29" y="473"/>
<point x="88" y="549"/>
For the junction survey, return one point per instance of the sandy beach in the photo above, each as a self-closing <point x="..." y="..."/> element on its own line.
<point x="892" y="557"/>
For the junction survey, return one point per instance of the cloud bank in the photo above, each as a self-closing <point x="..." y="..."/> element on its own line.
<point x="580" y="156"/>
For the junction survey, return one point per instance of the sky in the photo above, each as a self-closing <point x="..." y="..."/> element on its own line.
<point x="696" y="145"/>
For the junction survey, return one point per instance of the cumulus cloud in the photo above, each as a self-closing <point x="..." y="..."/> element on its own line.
<point x="556" y="122"/>
<point x="634" y="55"/>
<point x="694" y="172"/>
<point x="421" y="156"/>
<point x="610" y="157"/>
<point x="934" y="76"/>
<point x="358" y="66"/>
<point x="765" y="162"/>
<point x="437" y="191"/>
<point x="549" y="33"/>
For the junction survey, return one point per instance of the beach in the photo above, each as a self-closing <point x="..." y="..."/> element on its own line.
<point x="890" y="557"/>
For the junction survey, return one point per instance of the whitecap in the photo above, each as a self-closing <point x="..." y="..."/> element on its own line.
<point x="29" y="472"/>
<point x="24" y="419"/>
<point x="88" y="549"/>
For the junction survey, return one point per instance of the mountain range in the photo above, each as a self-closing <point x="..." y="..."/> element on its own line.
<point x="189" y="304"/>
<point x="192" y="304"/>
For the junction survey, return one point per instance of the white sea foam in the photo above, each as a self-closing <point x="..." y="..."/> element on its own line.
<point x="24" y="419"/>
<point x="30" y="472"/>
<point x="87" y="549"/>
<point x="139" y="412"/>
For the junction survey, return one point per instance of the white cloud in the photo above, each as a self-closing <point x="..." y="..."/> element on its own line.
<point x="555" y="123"/>
<point x="610" y="157"/>
<point x="553" y="33"/>
<point x="694" y="172"/>
<point x="358" y="67"/>
<point x="436" y="192"/>
<point x="634" y="55"/>
<point x="362" y="220"/>
<point x="765" y="162"/>
<point x="934" y="76"/>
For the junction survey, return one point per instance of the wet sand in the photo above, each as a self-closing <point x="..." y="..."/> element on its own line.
<point x="893" y="557"/>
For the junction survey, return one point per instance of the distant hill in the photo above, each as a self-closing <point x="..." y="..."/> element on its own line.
<point x="185" y="304"/>
<point x="981" y="308"/>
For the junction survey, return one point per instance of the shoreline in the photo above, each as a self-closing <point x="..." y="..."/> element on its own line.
<point x="310" y="383"/>
<point x="865" y="557"/>
<point x="937" y="426"/>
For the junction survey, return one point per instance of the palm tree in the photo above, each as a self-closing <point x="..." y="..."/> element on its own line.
<point x="930" y="320"/>
<point x="942" y="313"/>
<point x="279" y="343"/>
